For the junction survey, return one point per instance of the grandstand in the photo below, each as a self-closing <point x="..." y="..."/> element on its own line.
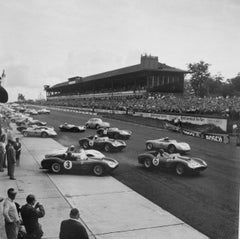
<point x="133" y="81"/>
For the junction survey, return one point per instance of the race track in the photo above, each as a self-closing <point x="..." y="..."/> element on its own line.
<point x="208" y="202"/>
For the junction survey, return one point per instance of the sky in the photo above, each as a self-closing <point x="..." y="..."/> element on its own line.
<point x="46" y="42"/>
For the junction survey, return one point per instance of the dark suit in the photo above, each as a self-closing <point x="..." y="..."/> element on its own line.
<point x="17" y="147"/>
<point x="30" y="217"/>
<point x="11" y="160"/>
<point x="72" y="229"/>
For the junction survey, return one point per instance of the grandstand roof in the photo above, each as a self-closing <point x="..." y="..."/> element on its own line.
<point x="160" y="67"/>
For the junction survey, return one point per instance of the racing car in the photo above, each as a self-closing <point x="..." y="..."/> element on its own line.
<point x="72" y="128"/>
<point x="171" y="145"/>
<point x="94" y="162"/>
<point x="43" y="111"/>
<point x="102" y="143"/>
<point x="115" y="133"/>
<point x="28" y="122"/>
<point x="96" y="123"/>
<point x="180" y="164"/>
<point x="42" y="131"/>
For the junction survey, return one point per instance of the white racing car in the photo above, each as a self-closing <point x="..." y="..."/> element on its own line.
<point x="41" y="131"/>
<point x="170" y="145"/>
<point x="96" y="123"/>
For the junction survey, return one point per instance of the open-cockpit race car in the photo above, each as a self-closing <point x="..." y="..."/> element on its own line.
<point x="72" y="128"/>
<point x="171" y="145"/>
<point x="114" y="133"/>
<point x="41" y="131"/>
<point x="180" y="164"/>
<point x="84" y="161"/>
<point x="102" y="143"/>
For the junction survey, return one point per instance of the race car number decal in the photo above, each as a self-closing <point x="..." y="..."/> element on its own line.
<point x="155" y="161"/>
<point x="67" y="164"/>
<point x="91" y="143"/>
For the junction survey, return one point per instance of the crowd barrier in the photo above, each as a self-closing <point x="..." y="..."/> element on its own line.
<point x="219" y="122"/>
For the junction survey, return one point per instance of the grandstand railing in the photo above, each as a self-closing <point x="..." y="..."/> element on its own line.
<point x="99" y="95"/>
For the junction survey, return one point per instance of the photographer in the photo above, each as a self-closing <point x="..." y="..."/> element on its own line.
<point x="30" y="213"/>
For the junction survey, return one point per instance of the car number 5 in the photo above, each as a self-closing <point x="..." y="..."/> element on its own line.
<point x="67" y="164"/>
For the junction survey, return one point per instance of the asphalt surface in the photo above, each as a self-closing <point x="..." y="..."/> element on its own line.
<point x="208" y="202"/>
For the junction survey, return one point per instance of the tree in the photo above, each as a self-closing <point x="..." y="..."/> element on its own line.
<point x="199" y="77"/>
<point x="21" y="97"/>
<point x="235" y="82"/>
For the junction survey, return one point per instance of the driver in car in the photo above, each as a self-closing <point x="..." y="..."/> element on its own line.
<point x="162" y="155"/>
<point x="82" y="154"/>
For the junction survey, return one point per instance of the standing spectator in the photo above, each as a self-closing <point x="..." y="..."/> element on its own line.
<point x="10" y="214"/>
<point x="30" y="215"/>
<point x="72" y="228"/>
<point x="11" y="160"/>
<point x="2" y="153"/>
<point x="18" y="147"/>
<point x="238" y="135"/>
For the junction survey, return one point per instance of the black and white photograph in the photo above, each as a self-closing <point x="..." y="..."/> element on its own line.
<point x="119" y="119"/>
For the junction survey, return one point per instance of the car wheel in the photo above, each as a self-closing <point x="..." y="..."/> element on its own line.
<point x="98" y="170"/>
<point x="75" y="130"/>
<point x="85" y="145"/>
<point x="147" y="163"/>
<point x="107" y="147"/>
<point x="171" y="149"/>
<point x="25" y="133"/>
<point x="149" y="146"/>
<point x="180" y="169"/>
<point x="44" y="134"/>
<point x="56" y="168"/>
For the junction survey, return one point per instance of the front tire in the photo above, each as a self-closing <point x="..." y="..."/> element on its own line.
<point x="107" y="148"/>
<point x="147" y="163"/>
<point x="85" y="145"/>
<point x="171" y="149"/>
<point x="180" y="170"/>
<point x="149" y="146"/>
<point x="44" y="135"/>
<point x="98" y="170"/>
<point x="56" y="168"/>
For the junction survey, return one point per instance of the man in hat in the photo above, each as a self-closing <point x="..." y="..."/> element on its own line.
<point x="10" y="213"/>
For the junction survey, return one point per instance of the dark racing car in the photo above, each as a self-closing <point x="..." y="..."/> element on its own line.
<point x="72" y="128"/>
<point x="114" y="133"/>
<point x="102" y="143"/>
<point x="181" y="165"/>
<point x="89" y="161"/>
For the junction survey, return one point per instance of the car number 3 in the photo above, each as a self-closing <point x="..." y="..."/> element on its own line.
<point x="67" y="164"/>
<point x="155" y="161"/>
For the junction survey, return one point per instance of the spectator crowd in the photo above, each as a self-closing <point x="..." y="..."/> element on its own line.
<point x="157" y="103"/>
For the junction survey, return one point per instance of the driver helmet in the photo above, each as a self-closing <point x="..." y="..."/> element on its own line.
<point x="72" y="147"/>
<point x="95" y="136"/>
<point x="166" y="138"/>
<point x="65" y="123"/>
